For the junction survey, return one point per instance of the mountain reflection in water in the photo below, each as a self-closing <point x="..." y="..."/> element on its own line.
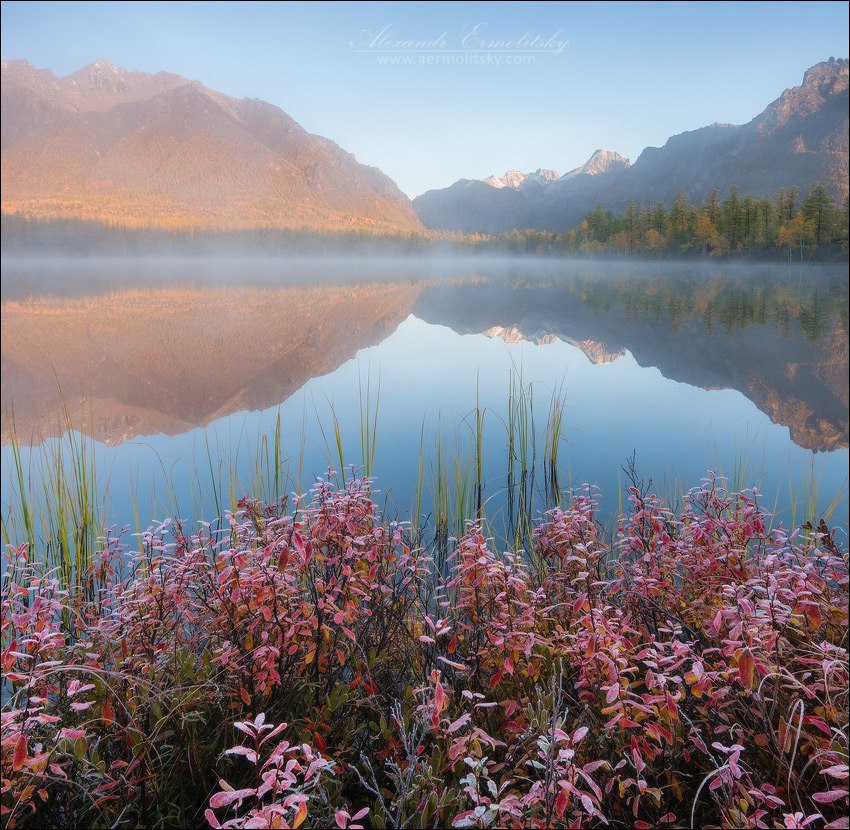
<point x="172" y="353"/>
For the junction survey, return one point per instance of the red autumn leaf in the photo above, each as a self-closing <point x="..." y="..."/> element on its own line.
<point x="247" y="752"/>
<point x="561" y="803"/>
<point x="814" y="615"/>
<point x="8" y="657"/>
<point x="746" y="668"/>
<point x="440" y="701"/>
<point x="579" y="734"/>
<point x="818" y="723"/>
<point x="510" y="707"/>
<point x="20" y="752"/>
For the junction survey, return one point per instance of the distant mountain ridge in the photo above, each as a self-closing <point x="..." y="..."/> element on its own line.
<point x="137" y="148"/>
<point x="801" y="139"/>
<point x="518" y="179"/>
<point x="515" y="200"/>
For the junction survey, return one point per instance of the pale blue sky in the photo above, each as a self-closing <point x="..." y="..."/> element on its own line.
<point x="631" y="74"/>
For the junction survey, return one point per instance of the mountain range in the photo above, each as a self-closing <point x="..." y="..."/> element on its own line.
<point x="801" y="139"/>
<point x="139" y="149"/>
<point x="134" y="148"/>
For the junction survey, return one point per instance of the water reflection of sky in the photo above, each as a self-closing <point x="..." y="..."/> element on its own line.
<point x="429" y="375"/>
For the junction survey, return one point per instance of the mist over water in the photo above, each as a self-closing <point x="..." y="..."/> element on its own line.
<point x="178" y="370"/>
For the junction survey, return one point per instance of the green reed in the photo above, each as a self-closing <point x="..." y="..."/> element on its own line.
<point x="56" y="500"/>
<point x="552" y="444"/>
<point x="805" y="498"/>
<point x="55" y="503"/>
<point x="368" y="425"/>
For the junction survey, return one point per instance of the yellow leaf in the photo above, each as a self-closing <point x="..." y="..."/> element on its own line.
<point x="300" y="815"/>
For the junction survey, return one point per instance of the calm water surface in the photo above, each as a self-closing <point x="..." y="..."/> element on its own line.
<point x="176" y="367"/>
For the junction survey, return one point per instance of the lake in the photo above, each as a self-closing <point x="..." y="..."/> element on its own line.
<point x="185" y="374"/>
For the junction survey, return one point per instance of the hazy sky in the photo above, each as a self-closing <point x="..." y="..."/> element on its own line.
<point x="433" y="92"/>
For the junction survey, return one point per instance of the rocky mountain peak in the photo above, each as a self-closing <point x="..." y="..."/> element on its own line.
<point x="823" y="86"/>
<point x="833" y="73"/>
<point x="103" y="65"/>
<point x="513" y="178"/>
<point x="602" y="161"/>
<point x="100" y="75"/>
<point x="543" y="176"/>
<point x="517" y="179"/>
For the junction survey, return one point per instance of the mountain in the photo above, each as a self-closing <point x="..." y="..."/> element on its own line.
<point x="136" y="148"/>
<point x="519" y="180"/>
<point x="515" y="200"/>
<point x="600" y="163"/>
<point x="562" y="205"/>
<point x="475" y="206"/>
<point x="800" y="140"/>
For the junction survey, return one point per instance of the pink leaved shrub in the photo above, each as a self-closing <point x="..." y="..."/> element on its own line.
<point x="305" y="666"/>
